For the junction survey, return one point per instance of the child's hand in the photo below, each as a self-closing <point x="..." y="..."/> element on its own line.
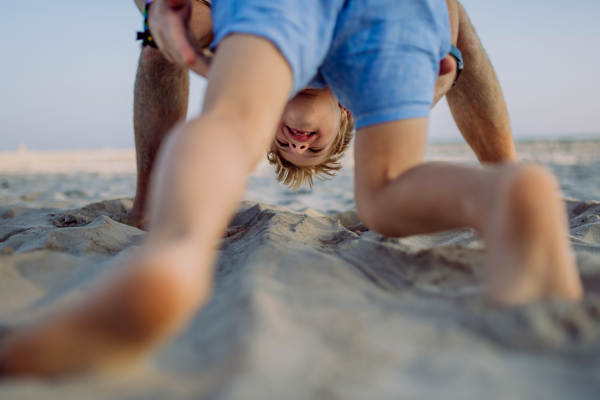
<point x="168" y="21"/>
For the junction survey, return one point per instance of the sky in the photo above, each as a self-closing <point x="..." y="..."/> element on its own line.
<point x="67" y="70"/>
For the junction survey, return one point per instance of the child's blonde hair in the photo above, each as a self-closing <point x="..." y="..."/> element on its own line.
<point x="294" y="176"/>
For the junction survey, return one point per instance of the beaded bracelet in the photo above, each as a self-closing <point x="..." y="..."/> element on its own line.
<point x="145" y="36"/>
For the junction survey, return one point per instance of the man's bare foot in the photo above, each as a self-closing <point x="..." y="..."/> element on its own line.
<point x="131" y="218"/>
<point x="119" y="322"/>
<point x="358" y="228"/>
<point x="529" y="256"/>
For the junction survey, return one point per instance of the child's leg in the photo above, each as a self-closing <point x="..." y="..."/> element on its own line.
<point x="516" y="209"/>
<point x="201" y="174"/>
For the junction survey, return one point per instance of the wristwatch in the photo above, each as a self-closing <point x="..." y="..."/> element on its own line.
<point x="455" y="52"/>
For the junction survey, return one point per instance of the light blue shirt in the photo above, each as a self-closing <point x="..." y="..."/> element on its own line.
<point x="379" y="57"/>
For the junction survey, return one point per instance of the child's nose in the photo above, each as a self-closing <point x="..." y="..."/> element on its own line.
<point x="298" y="148"/>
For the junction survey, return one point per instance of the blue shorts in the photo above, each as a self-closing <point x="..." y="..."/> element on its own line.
<point x="379" y="57"/>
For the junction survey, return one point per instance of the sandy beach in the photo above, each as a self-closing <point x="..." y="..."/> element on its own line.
<point x="303" y="308"/>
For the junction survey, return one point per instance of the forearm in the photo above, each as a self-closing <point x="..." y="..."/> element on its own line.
<point x="477" y="102"/>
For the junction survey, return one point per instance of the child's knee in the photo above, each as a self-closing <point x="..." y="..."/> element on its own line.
<point x="531" y="186"/>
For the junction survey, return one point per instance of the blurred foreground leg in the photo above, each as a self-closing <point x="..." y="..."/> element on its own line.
<point x="201" y="173"/>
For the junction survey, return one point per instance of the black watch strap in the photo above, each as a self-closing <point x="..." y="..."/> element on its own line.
<point x="455" y="52"/>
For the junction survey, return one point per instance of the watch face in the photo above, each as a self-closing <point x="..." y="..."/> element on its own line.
<point x="455" y="52"/>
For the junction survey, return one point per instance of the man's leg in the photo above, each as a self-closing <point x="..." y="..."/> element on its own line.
<point x="477" y="102"/>
<point x="515" y="208"/>
<point x="160" y="101"/>
<point x="200" y="176"/>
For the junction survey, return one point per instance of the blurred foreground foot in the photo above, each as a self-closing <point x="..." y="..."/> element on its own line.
<point x="118" y="322"/>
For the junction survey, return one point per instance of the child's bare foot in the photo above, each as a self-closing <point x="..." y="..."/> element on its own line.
<point x="529" y="256"/>
<point x="120" y="321"/>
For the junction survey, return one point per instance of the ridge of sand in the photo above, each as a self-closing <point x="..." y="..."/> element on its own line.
<point x="303" y="308"/>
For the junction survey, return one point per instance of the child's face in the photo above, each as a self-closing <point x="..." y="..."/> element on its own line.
<point x="308" y="127"/>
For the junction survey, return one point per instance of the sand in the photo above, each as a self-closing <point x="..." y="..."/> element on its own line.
<point x="304" y="308"/>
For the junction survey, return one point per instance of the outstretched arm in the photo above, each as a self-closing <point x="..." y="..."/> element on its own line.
<point x="476" y="101"/>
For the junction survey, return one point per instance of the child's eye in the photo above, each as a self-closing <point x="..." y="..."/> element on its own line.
<point x="282" y="144"/>
<point x="315" y="150"/>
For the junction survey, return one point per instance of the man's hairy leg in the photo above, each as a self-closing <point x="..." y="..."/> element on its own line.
<point x="515" y="208"/>
<point x="201" y="173"/>
<point x="477" y="102"/>
<point x="160" y="101"/>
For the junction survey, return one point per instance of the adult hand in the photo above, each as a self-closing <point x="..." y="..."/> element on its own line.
<point x="168" y="21"/>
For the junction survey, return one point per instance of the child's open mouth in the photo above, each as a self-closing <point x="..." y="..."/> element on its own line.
<point x="302" y="136"/>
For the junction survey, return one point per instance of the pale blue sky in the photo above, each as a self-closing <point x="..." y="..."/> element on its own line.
<point x="67" y="70"/>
